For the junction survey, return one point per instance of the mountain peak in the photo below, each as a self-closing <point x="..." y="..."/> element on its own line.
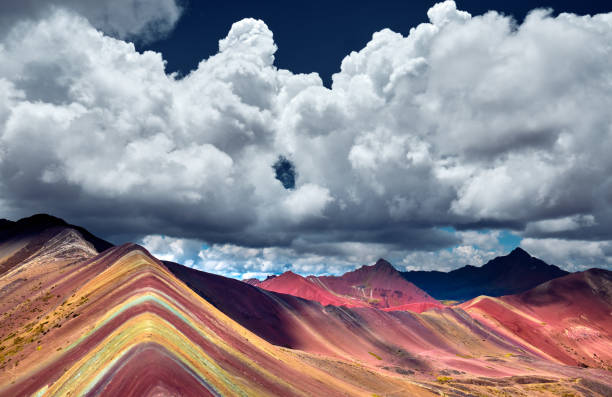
<point x="519" y="252"/>
<point x="380" y="267"/>
<point x="30" y="225"/>
<point x="38" y="223"/>
<point x="286" y="275"/>
<point x="383" y="264"/>
<point x="288" y="278"/>
<point x="510" y="274"/>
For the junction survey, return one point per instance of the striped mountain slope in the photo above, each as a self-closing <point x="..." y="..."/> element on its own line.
<point x="75" y="322"/>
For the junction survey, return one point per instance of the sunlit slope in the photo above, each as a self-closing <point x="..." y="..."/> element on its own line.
<point x="423" y="345"/>
<point x="380" y="286"/>
<point x="296" y="285"/>
<point x="120" y="324"/>
<point x="567" y="320"/>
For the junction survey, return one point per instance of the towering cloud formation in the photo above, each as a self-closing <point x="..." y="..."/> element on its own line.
<point x="471" y="122"/>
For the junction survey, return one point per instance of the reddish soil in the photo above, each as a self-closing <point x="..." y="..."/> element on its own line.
<point x="380" y="286"/>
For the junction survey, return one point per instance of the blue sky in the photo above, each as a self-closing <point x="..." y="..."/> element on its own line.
<point x="314" y="36"/>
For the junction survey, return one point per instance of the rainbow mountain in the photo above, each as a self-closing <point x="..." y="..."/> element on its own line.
<point x="82" y="317"/>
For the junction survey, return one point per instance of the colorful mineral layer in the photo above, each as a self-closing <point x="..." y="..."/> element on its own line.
<point x="76" y="321"/>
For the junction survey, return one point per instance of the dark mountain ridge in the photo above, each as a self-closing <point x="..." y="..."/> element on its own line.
<point x="39" y="223"/>
<point x="505" y="275"/>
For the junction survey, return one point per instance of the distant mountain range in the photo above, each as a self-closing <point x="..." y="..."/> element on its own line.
<point x="380" y="286"/>
<point x="504" y="275"/>
<point x="383" y="287"/>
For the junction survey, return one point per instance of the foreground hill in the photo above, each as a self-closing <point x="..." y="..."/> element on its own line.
<point x="418" y="343"/>
<point x="437" y="343"/>
<point x="79" y="322"/>
<point x="119" y="323"/>
<point x="380" y="286"/>
<point x="505" y="275"/>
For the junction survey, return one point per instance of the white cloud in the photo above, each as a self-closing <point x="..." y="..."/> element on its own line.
<point x="475" y="249"/>
<point x="446" y="260"/>
<point x="126" y="19"/>
<point x="561" y="224"/>
<point x="322" y="257"/>
<point x="467" y="121"/>
<point x="242" y="262"/>
<point x="488" y="240"/>
<point x="308" y="201"/>
<point x="574" y="255"/>
<point x="171" y="249"/>
<point x="443" y="13"/>
<point x="250" y="38"/>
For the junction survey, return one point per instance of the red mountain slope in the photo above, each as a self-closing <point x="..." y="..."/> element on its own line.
<point x="567" y="319"/>
<point x="379" y="286"/>
<point x="296" y="285"/>
<point x="422" y="346"/>
<point x="415" y="342"/>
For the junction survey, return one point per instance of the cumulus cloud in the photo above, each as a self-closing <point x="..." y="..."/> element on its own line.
<point x="330" y="258"/>
<point x="244" y="262"/>
<point x="172" y="249"/>
<point x="142" y="20"/>
<point x="469" y="121"/>
<point x="446" y="260"/>
<point x="475" y="248"/>
<point x="568" y="223"/>
<point x="574" y="255"/>
<point x="308" y="201"/>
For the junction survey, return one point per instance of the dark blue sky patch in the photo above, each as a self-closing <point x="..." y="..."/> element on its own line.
<point x="315" y="36"/>
<point x="285" y="172"/>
